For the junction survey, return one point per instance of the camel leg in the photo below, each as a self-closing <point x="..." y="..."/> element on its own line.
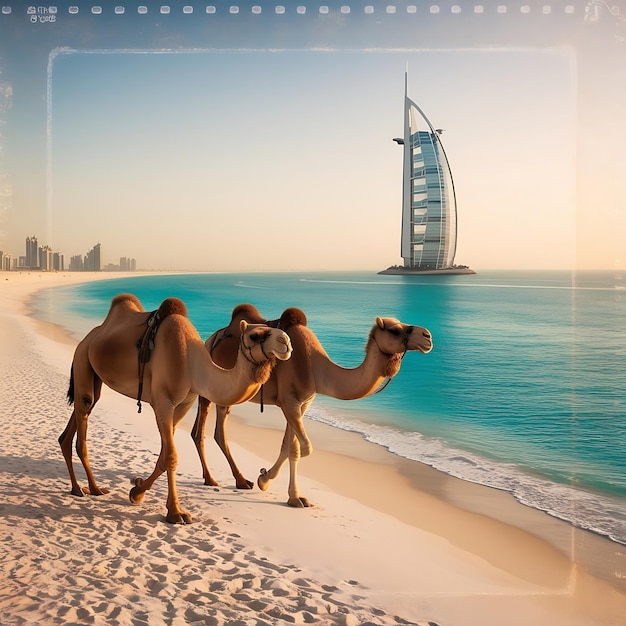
<point x="175" y="514"/>
<point x="77" y="425"/>
<point x="81" y="449"/>
<point x="293" y="414"/>
<point x="167" y="462"/>
<point x="220" y="437"/>
<point x="290" y="449"/>
<point x="296" y="444"/>
<point x="267" y="475"/>
<point x="301" y="446"/>
<point x="66" y="440"/>
<point x="197" y="434"/>
<point x="295" y="499"/>
<point x="138" y="492"/>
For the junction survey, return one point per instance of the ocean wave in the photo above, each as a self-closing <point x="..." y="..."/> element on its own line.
<point x="474" y="285"/>
<point x="601" y="514"/>
<point x="243" y="285"/>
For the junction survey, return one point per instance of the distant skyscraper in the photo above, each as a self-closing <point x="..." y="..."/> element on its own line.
<point x="45" y="258"/>
<point x="429" y="217"/>
<point x="32" y="252"/>
<point x="58" y="263"/>
<point x="77" y="263"/>
<point x="92" y="260"/>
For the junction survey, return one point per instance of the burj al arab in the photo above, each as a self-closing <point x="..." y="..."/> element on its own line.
<point x="429" y="211"/>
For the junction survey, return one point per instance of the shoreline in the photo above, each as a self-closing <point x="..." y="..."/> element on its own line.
<point x="484" y="506"/>
<point x="493" y="531"/>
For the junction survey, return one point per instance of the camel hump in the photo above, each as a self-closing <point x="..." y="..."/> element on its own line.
<point x="128" y="300"/>
<point x="172" y="306"/>
<point x="292" y="317"/>
<point x="247" y="312"/>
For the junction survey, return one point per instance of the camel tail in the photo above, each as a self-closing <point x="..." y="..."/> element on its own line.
<point x="70" y="391"/>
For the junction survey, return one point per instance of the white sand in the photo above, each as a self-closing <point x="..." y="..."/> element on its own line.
<point x="247" y="558"/>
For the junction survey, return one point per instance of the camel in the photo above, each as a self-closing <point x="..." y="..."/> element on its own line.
<point x="293" y="384"/>
<point x="159" y="358"/>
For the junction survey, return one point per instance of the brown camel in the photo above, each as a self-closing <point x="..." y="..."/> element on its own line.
<point x="174" y="370"/>
<point x="293" y="384"/>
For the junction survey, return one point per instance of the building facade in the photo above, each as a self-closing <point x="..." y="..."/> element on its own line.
<point x="32" y="252"/>
<point x="45" y="258"/>
<point x="93" y="261"/>
<point x="58" y="262"/>
<point x="77" y="264"/>
<point x="429" y="214"/>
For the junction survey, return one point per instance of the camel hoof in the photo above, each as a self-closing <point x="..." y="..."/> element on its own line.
<point x="80" y="492"/>
<point x="299" y="503"/>
<point x="137" y="494"/>
<point x="97" y="492"/>
<point x="178" y="518"/>
<point x="210" y="482"/>
<point x="263" y="481"/>
<point x="242" y="483"/>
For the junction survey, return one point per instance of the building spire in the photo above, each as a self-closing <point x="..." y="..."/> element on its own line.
<point x="406" y="80"/>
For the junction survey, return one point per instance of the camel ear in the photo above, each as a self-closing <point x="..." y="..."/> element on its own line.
<point x="380" y="323"/>
<point x="243" y="325"/>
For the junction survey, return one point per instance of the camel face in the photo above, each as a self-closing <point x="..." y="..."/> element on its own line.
<point x="394" y="337"/>
<point x="261" y="342"/>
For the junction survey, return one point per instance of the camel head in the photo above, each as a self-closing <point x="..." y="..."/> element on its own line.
<point x="260" y="343"/>
<point x="394" y="337"/>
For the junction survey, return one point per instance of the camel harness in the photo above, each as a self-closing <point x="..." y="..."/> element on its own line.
<point x="224" y="332"/>
<point x="145" y="346"/>
<point x="388" y="379"/>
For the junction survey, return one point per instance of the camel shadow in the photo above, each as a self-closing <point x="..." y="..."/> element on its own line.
<point x="34" y="488"/>
<point x="229" y="494"/>
<point x="45" y="483"/>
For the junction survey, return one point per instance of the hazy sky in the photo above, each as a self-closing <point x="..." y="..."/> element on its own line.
<point x="284" y="160"/>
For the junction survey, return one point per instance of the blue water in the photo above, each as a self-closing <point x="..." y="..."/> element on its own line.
<point x="525" y="389"/>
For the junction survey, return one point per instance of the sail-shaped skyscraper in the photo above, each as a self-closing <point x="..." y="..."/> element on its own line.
<point x="429" y="213"/>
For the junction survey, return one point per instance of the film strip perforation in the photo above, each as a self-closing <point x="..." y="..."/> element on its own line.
<point x="433" y="8"/>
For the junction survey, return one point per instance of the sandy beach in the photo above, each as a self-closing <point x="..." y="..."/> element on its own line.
<point x="389" y="541"/>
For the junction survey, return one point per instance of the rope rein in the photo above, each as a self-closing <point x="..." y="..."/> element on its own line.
<point x="252" y="360"/>
<point x="247" y="352"/>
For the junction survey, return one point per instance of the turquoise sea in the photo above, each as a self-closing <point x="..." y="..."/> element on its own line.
<point x="524" y="391"/>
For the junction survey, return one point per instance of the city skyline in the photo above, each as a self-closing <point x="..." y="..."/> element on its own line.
<point x="44" y="258"/>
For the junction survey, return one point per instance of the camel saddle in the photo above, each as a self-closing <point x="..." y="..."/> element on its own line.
<point x="145" y="345"/>
<point x="288" y="318"/>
